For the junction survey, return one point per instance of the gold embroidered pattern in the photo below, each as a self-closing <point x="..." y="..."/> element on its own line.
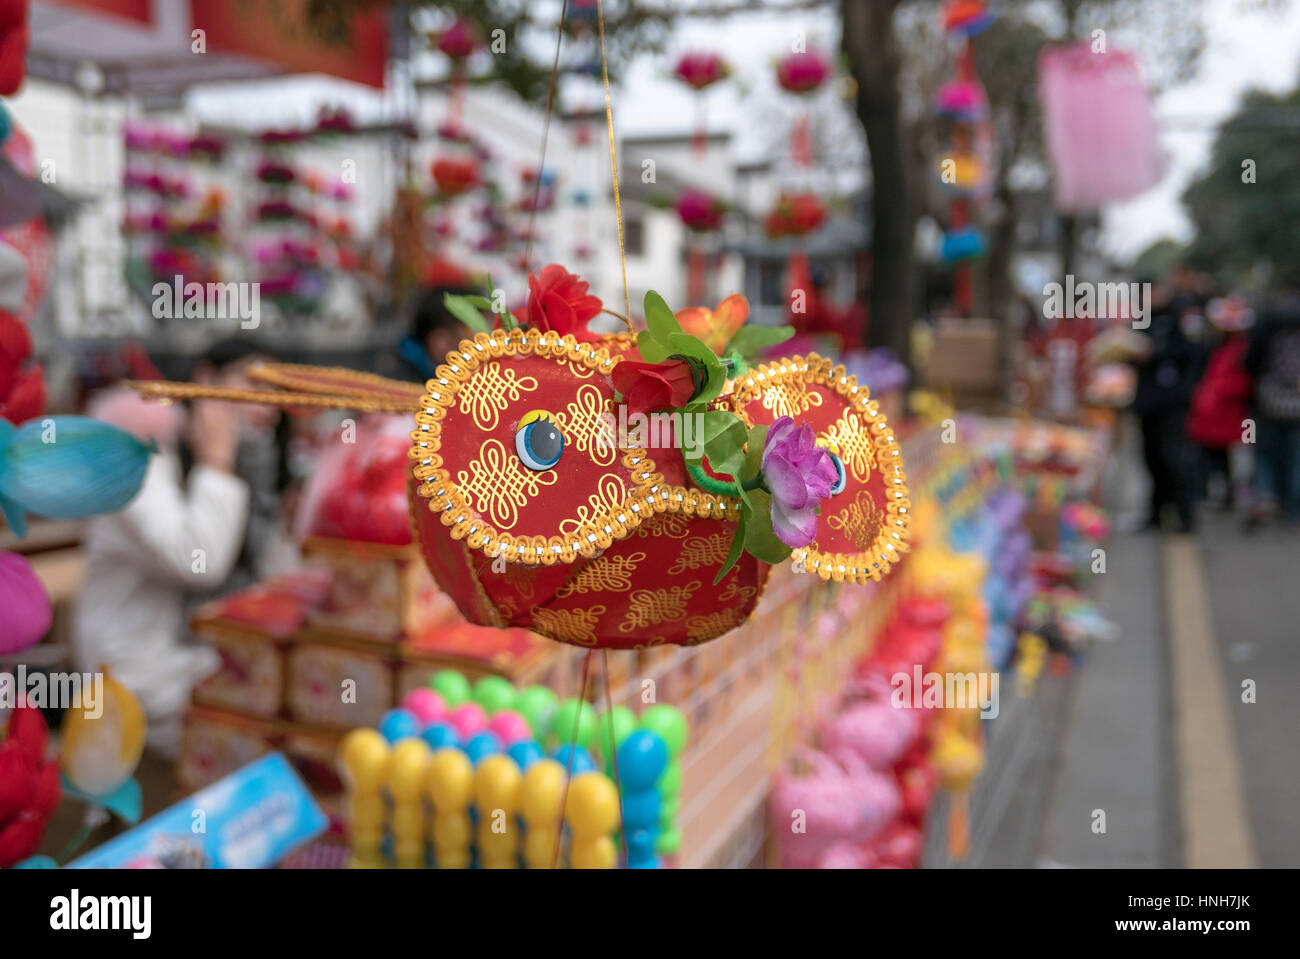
<point x="500" y="485"/>
<point x="589" y="426"/>
<point x="879" y="555"/>
<point x="489" y="391"/>
<point x="607" y="574"/>
<point x="576" y="626"/>
<point x="609" y="496"/>
<point x="671" y="525"/>
<point x="859" y="521"/>
<point x="701" y="629"/>
<point x="734" y="591"/>
<point x="650" y="607"/>
<point x="853" y="444"/>
<point x="702" y="551"/>
<point x="791" y="398"/>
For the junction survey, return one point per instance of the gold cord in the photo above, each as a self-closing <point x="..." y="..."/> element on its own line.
<point x="613" y="164"/>
<point x="166" y="390"/>
<point x="546" y="132"/>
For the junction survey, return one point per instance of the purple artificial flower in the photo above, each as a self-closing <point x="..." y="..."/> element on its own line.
<point x="799" y="474"/>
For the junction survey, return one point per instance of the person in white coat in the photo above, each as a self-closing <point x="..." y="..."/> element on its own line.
<point x="178" y="535"/>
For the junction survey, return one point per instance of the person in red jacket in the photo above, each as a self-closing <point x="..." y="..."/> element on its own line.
<point x="1221" y="401"/>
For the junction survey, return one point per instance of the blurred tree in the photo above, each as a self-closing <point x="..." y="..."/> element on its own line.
<point x="1246" y="205"/>
<point x="1159" y="258"/>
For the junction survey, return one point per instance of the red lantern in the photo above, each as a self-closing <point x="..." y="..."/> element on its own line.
<point x="455" y="176"/>
<point x="795" y="214"/>
<point x="701" y="70"/>
<point x="802" y="72"/>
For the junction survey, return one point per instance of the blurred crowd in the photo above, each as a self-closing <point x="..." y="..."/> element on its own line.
<point x="1218" y="401"/>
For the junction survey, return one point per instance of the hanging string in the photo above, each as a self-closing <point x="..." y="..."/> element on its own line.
<point x="613" y="159"/>
<point x="613" y="749"/>
<point x="573" y="750"/>
<point x="546" y="133"/>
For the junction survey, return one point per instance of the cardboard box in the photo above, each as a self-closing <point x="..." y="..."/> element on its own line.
<point x="964" y="358"/>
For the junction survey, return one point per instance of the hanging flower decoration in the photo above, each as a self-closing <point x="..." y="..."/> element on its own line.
<point x="802" y="72"/>
<point x="963" y="100"/>
<point x="966" y="17"/>
<point x="701" y="70"/>
<point x="277" y="174"/>
<point x="459" y="41"/>
<point x="336" y="120"/>
<point x="795" y="214"/>
<point x="700" y="211"/>
<point x="455" y="176"/>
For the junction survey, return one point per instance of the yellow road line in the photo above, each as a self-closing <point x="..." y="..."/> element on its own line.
<point x="1216" y="829"/>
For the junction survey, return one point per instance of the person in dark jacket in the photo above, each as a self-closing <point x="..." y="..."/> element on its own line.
<point x="435" y="332"/>
<point x="1273" y="361"/>
<point x="1166" y="379"/>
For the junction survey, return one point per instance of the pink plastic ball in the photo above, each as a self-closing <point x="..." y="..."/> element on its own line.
<point x="468" y="719"/>
<point x="427" y="705"/>
<point x="510" y="727"/>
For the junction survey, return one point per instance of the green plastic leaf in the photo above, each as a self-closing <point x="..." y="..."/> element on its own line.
<point x="751" y="338"/>
<point x="683" y="344"/>
<point x="737" y="546"/>
<point x="652" y="351"/>
<point x="482" y="302"/>
<point x="760" y="539"/>
<point x="754" y="452"/>
<point x="659" y="319"/>
<point x="722" y="440"/>
<point x="465" y="311"/>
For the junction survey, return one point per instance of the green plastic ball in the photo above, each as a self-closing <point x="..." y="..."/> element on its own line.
<point x="451" y="686"/>
<point x="669" y="842"/>
<point x="562" y="722"/>
<point x="670" y="725"/>
<point x="494" y="693"/>
<point x="670" y="783"/>
<point x="624" y="722"/>
<point x="537" y="704"/>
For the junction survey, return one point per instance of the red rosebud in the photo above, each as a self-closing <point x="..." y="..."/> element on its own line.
<point x="26" y="399"/>
<point x="558" y="300"/>
<point x="17" y="781"/>
<point x="649" y="387"/>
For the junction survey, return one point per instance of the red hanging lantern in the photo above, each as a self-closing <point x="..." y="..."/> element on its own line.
<point x="802" y="72"/>
<point x="699" y="71"/>
<point x="795" y="214"/>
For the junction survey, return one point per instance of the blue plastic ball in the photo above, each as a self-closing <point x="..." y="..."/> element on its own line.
<point x="642" y="759"/>
<point x="398" y="724"/>
<point x="641" y="810"/>
<point x="641" y="846"/>
<point x="525" y="753"/>
<point x="481" y="745"/>
<point x="440" y="736"/>
<point x="582" y="761"/>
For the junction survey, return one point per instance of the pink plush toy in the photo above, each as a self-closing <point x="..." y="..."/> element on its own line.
<point x="872" y="728"/>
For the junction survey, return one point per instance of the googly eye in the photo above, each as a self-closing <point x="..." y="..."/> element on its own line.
<point x="841" y="479"/>
<point x="539" y="441"/>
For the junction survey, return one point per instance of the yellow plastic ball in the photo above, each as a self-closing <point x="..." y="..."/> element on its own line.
<point x="496" y="784"/>
<point x="367" y="808"/>
<point x="592" y="809"/>
<point x="408" y="821"/>
<point x="451" y="831"/>
<point x="409" y="853"/>
<point x="363" y="757"/>
<point x="450" y="779"/>
<point x="406" y="769"/>
<point x="539" y="847"/>
<point x="541" y="792"/>
<point x="598" y="853"/>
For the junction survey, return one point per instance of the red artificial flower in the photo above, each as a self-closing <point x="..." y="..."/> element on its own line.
<point x="14" y="37"/>
<point x="29" y="786"/>
<point x="649" y="387"/>
<point x="22" y="382"/>
<point x="558" y="300"/>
